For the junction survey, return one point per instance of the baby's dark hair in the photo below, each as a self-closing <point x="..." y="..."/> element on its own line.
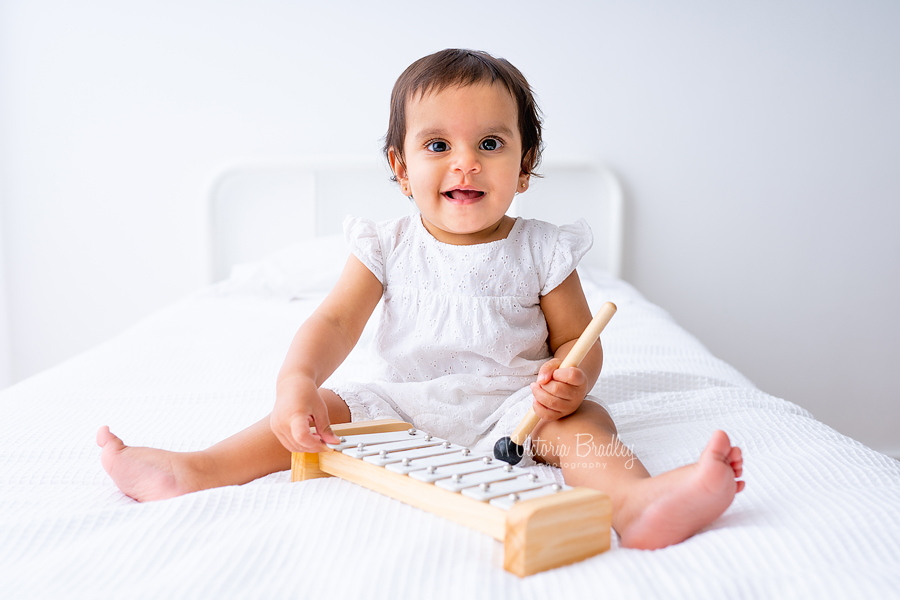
<point x="436" y="72"/>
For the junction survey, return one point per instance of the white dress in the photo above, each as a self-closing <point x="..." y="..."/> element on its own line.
<point x="462" y="334"/>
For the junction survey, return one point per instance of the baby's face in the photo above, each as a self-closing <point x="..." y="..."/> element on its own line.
<point x="463" y="156"/>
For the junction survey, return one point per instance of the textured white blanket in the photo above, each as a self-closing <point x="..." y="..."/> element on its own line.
<point x="820" y="516"/>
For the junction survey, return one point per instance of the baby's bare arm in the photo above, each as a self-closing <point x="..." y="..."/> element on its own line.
<point x="319" y="347"/>
<point x="559" y="392"/>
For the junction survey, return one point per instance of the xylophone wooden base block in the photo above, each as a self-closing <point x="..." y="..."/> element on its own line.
<point x="537" y="534"/>
<point x="553" y="531"/>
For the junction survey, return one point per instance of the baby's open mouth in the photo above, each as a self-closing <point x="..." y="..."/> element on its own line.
<point x="463" y="194"/>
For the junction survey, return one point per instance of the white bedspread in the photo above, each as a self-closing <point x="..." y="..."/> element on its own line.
<point x="820" y="516"/>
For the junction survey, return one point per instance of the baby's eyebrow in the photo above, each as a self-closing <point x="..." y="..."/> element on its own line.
<point x="501" y="130"/>
<point x="430" y="133"/>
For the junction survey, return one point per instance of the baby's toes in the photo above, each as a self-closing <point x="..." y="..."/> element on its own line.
<point x="105" y="436"/>
<point x="736" y="461"/>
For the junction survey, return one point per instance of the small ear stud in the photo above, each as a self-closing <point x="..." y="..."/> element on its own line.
<point x="523" y="184"/>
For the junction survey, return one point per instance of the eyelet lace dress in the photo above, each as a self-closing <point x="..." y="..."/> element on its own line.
<point x="462" y="335"/>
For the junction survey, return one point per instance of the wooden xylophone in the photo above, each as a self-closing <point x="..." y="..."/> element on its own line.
<point x="542" y="524"/>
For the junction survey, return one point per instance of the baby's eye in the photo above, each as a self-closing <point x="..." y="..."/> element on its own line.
<point x="436" y="146"/>
<point x="490" y="144"/>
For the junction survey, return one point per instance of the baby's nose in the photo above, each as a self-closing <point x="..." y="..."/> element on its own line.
<point x="467" y="161"/>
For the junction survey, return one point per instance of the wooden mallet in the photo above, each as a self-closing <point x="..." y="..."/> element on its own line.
<point x="511" y="449"/>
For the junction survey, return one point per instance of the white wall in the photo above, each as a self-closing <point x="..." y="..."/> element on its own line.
<point x="5" y="347"/>
<point x="758" y="143"/>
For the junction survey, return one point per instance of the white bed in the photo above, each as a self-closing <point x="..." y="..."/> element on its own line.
<point x="820" y="516"/>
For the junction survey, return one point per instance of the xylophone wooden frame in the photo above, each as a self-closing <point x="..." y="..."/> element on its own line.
<point x="538" y="534"/>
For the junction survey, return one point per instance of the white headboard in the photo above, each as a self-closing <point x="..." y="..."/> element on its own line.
<point x="259" y="207"/>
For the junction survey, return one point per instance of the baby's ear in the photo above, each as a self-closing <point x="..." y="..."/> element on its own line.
<point x="397" y="165"/>
<point x="524" y="180"/>
<point x="400" y="173"/>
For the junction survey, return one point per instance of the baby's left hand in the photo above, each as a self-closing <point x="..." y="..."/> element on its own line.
<point x="558" y="392"/>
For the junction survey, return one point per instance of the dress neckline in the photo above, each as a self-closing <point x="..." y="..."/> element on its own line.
<point x="513" y="232"/>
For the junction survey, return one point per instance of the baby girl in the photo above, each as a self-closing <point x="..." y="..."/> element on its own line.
<point x="479" y="309"/>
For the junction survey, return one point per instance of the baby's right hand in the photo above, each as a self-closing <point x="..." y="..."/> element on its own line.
<point x="298" y="406"/>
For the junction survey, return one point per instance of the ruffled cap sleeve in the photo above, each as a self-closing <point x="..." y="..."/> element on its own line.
<point x="362" y="238"/>
<point x="572" y="244"/>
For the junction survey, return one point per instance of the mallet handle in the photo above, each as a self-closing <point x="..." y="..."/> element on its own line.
<point x="573" y="359"/>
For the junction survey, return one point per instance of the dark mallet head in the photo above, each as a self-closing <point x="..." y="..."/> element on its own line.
<point x="508" y="451"/>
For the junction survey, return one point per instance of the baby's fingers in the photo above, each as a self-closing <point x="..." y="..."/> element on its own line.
<point x="302" y="438"/>
<point x="564" y="390"/>
<point x="323" y="426"/>
<point x="546" y="406"/>
<point x="545" y="374"/>
<point x="570" y="375"/>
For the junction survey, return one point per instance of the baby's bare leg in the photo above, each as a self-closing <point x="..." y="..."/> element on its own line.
<point x="648" y="512"/>
<point x="153" y="474"/>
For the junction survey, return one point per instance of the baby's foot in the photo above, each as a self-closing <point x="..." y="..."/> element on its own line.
<point x="672" y="507"/>
<point x="145" y="473"/>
